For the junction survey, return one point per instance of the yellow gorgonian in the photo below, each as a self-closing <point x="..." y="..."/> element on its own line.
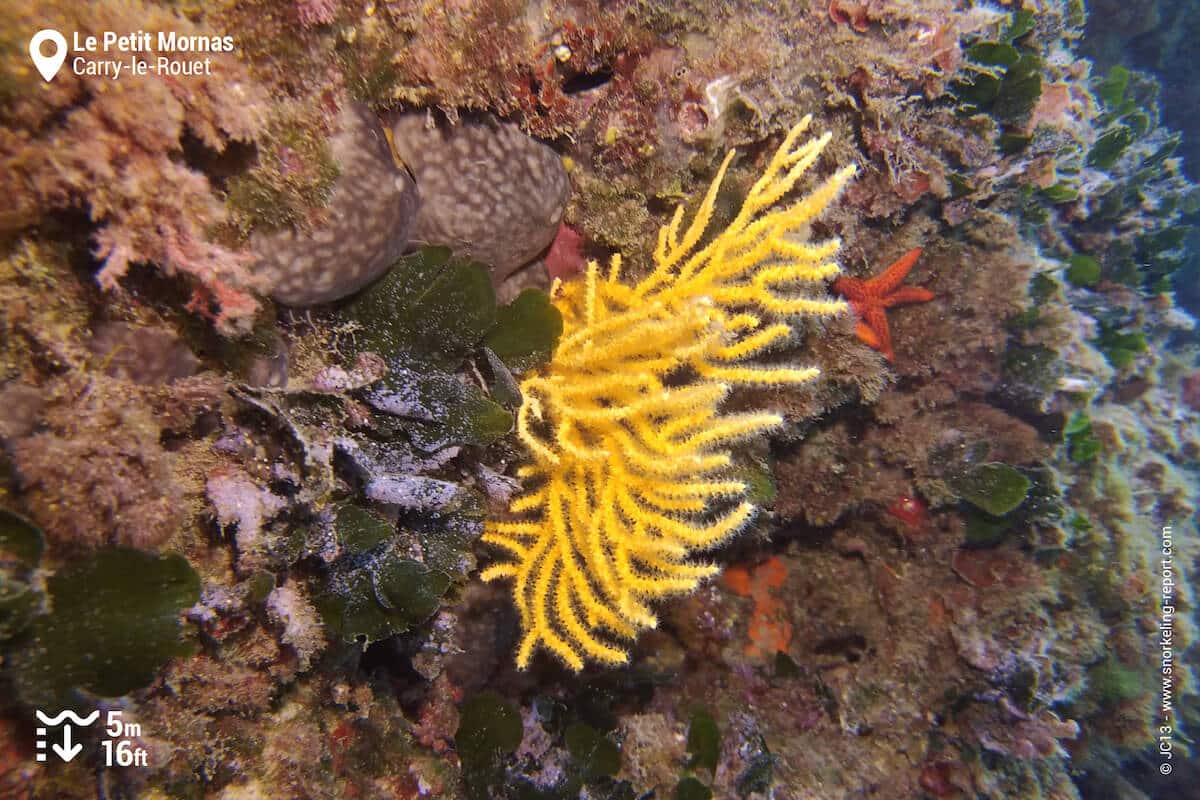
<point x="630" y="470"/>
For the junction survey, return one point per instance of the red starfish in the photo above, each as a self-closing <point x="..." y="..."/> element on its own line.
<point x="870" y="299"/>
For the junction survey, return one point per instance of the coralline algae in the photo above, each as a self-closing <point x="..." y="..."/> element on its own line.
<point x="369" y="219"/>
<point x="483" y="188"/>
<point x="488" y="191"/>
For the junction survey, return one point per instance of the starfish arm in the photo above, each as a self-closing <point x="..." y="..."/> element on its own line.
<point x="886" y="282"/>
<point x="907" y="294"/>
<point x="875" y="320"/>
<point x="852" y="289"/>
<point x="867" y="336"/>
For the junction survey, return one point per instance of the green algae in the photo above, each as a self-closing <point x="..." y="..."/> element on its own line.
<point x="983" y="530"/>
<point x="502" y="386"/>
<point x="1006" y="85"/>
<point x="378" y="595"/>
<point x="1120" y="347"/>
<point x="1042" y="287"/>
<point x="1060" y="192"/>
<point x="114" y="623"/>
<point x="691" y="788"/>
<point x="593" y="754"/>
<point x="761" y="489"/>
<point x="377" y="589"/>
<point x="1083" y="270"/>
<point x="1109" y="147"/>
<point x="1030" y="373"/>
<point x="1023" y="22"/>
<point x="489" y="730"/>
<point x="1111" y="682"/>
<point x="19" y="604"/>
<point x="20" y="539"/>
<point x="995" y="488"/>
<point x="430" y="310"/>
<point x="359" y="529"/>
<point x="526" y="330"/>
<point x="21" y="548"/>
<point x="703" y="742"/>
<point x="1082" y="444"/>
<point x="1111" y="89"/>
<point x="442" y="410"/>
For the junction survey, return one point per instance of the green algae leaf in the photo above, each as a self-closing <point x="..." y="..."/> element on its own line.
<point x="1111" y="682"/>
<point x="785" y="667"/>
<point x="1077" y="424"/>
<point x="431" y="308"/>
<point x="1164" y="152"/>
<point x="1084" y="448"/>
<point x="1023" y="22"/>
<point x="1020" y="90"/>
<point x="959" y="185"/>
<point x="1060" y="193"/>
<point x="1079" y="523"/>
<point x="760" y="481"/>
<point x="489" y="729"/>
<point x="444" y="410"/>
<point x="1042" y="287"/>
<point x="368" y="599"/>
<point x="20" y="539"/>
<point x="1109" y="146"/>
<point x="1076" y="13"/>
<point x="258" y="587"/>
<point x="594" y="754"/>
<point x="978" y="93"/>
<point x="1138" y="122"/>
<point x="19" y="604"/>
<point x="1012" y="143"/>
<point x="359" y="530"/>
<point x="446" y="540"/>
<point x="1030" y="374"/>
<point x="1083" y="270"/>
<point x="474" y="420"/>
<point x="994" y="54"/>
<point x="1121" y="347"/>
<point x="985" y="531"/>
<point x="703" y="741"/>
<point x="527" y="330"/>
<point x="114" y="623"/>
<point x="995" y="488"/>
<point x="502" y="385"/>
<point x="692" y="789"/>
<point x="1111" y="90"/>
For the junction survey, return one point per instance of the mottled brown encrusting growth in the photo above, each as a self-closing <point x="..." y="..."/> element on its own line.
<point x="97" y="474"/>
<point x="141" y="353"/>
<point x="364" y="228"/>
<point x="487" y="190"/>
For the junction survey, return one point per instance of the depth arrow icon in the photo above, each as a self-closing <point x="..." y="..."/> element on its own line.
<point x="66" y="751"/>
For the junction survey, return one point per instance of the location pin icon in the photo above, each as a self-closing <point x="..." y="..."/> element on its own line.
<point x="48" y="65"/>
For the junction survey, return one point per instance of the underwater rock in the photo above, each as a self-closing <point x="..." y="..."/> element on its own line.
<point x="97" y="474"/>
<point x="369" y="218"/>
<point x="237" y="499"/>
<point x="415" y="492"/>
<point x="488" y="191"/>
<point x="23" y="405"/>
<point x="142" y="354"/>
<point x="288" y="607"/>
